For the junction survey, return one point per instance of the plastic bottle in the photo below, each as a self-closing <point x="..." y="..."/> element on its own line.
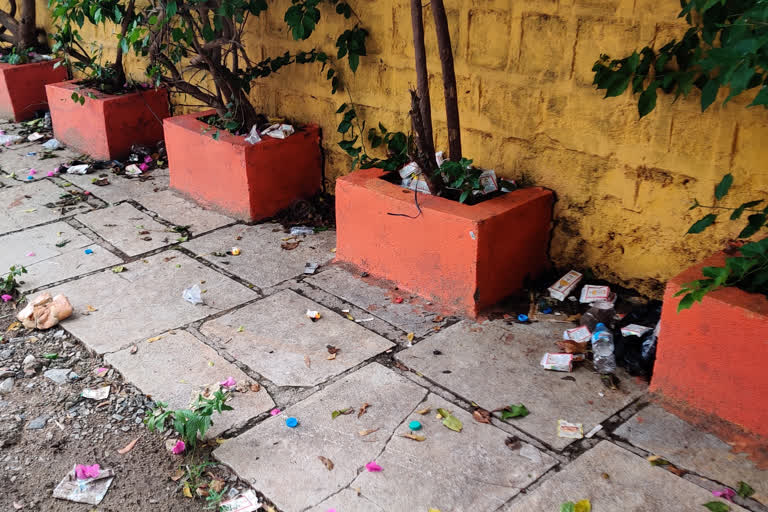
<point x="599" y="313"/>
<point x="602" y="348"/>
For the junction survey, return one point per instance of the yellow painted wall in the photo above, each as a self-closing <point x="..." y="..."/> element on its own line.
<point x="528" y="107"/>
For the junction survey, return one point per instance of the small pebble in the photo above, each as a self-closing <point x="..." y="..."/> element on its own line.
<point x="291" y="422"/>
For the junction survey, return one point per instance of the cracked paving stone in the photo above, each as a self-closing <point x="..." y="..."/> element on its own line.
<point x="275" y="338"/>
<point x="16" y="159"/>
<point x="178" y="366"/>
<point x="129" y="229"/>
<point x="662" y="433"/>
<point x="633" y="485"/>
<point x="145" y="299"/>
<point x="24" y="205"/>
<point x="348" y="501"/>
<point x="120" y="188"/>
<point x="283" y="463"/>
<point x="497" y="365"/>
<point x="36" y="249"/>
<point x="173" y="207"/>
<point x="263" y="261"/>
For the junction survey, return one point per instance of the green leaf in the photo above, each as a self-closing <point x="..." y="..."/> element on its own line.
<point x="694" y="205"/>
<point x="514" y="411"/>
<point x="450" y="421"/>
<point x="761" y="98"/>
<point x="337" y="413"/>
<point x="568" y="506"/>
<point x="709" y="93"/>
<point x="685" y="303"/>
<point x="342" y="108"/>
<point x="756" y="221"/>
<point x="51" y="356"/>
<point x="717" y="506"/>
<point x="170" y="9"/>
<point x="745" y="490"/>
<point x="647" y="100"/>
<point x="722" y="188"/>
<point x="738" y="211"/>
<point x="702" y="224"/>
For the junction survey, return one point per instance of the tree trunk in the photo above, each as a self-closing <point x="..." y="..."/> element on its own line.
<point x="27" y="36"/>
<point x="119" y="69"/>
<point x="422" y="75"/>
<point x="425" y="149"/>
<point x="449" y="79"/>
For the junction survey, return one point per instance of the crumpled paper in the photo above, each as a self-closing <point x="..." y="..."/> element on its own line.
<point x="44" y="311"/>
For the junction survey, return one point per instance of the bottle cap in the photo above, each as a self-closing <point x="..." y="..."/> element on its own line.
<point x="414" y="425"/>
<point x="522" y="318"/>
<point x="600" y="327"/>
<point x="291" y="422"/>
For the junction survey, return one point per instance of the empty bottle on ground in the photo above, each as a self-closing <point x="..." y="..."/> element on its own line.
<point x="602" y="349"/>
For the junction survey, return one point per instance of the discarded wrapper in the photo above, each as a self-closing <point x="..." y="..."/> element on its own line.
<point x="302" y="230"/>
<point x="246" y="502"/>
<point x="597" y="428"/>
<point x="418" y="184"/>
<point x="634" y="330"/>
<point x="439" y="158"/>
<point x="557" y="362"/>
<point x="488" y="182"/>
<point x="253" y="136"/>
<point x="313" y="315"/>
<point x="89" y="490"/>
<point x="52" y="144"/>
<point x="310" y="268"/>
<point x="565" y="285"/>
<point x="578" y="334"/>
<point x="82" y="169"/>
<point x="592" y="293"/>
<point x="409" y="170"/>
<point x="9" y="139"/>
<point x="35" y="136"/>
<point x="569" y="430"/>
<point x="279" y="131"/>
<point x="101" y="393"/>
<point x="44" y="311"/>
<point x="132" y="170"/>
<point x="193" y="294"/>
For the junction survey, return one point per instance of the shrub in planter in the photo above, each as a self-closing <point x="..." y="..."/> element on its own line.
<point x="465" y="256"/>
<point x="199" y="49"/>
<point x="103" y="113"/>
<point x="24" y="67"/>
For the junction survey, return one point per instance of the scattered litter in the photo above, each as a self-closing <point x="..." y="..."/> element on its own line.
<point x="513" y="411"/>
<point x="523" y="319"/>
<point x="565" y="285"/>
<point x="30" y="255"/>
<point x="289" y="246"/>
<point x="132" y="170"/>
<point x="35" y="136"/>
<point x="291" y="422"/>
<point x="52" y="145"/>
<point x="279" y="131"/>
<point x="513" y="443"/>
<point x="134" y="349"/>
<point x="246" y="502"/>
<point x="9" y="139"/>
<point x="488" y="182"/>
<point x="362" y="320"/>
<point x="253" y="136"/>
<point x="577" y="334"/>
<point x="597" y="428"/>
<point x="546" y="311"/>
<point x="482" y="415"/>
<point x="634" y="330"/>
<point x="310" y="268"/>
<point x="96" y="394"/>
<point x="193" y="294"/>
<point x="328" y="462"/>
<point x="373" y="467"/>
<point x="88" y="251"/>
<point x="119" y="269"/>
<point x="235" y="251"/>
<point x="313" y="315"/>
<point x="725" y="493"/>
<point x="274" y="412"/>
<point x="302" y="230"/>
<point x="179" y="447"/>
<point x="44" y="311"/>
<point x="557" y="362"/>
<point x="414" y="425"/>
<point x="656" y="460"/>
<point x="591" y="293"/>
<point x="569" y="430"/>
<point x="78" y="169"/>
<point x="90" y="490"/>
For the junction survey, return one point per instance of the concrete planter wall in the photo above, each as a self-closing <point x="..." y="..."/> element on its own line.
<point x="464" y="257"/>
<point x="712" y="358"/>
<point x="106" y="126"/>
<point x="22" y="88"/>
<point x="243" y="180"/>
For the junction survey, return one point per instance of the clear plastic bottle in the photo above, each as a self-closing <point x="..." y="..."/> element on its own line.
<point x="602" y="349"/>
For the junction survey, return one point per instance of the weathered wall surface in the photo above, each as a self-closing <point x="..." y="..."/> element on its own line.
<point x="528" y="107"/>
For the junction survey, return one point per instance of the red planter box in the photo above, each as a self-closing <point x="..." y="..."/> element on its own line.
<point x="106" y="126"/>
<point x="466" y="258"/>
<point x="22" y="88"/>
<point x="246" y="181"/>
<point x="712" y="359"/>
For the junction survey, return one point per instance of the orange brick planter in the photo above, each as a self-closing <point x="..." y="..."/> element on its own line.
<point x="243" y="180"/>
<point x="713" y="357"/>
<point x="466" y="258"/>
<point x="22" y="88"/>
<point x="106" y="126"/>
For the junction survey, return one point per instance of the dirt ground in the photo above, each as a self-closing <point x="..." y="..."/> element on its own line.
<point x="77" y="430"/>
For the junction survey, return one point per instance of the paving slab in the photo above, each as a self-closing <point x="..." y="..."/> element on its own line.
<point x="19" y="160"/>
<point x="176" y="368"/>
<point x="144" y="300"/>
<point x="121" y="188"/>
<point x="129" y="229"/>
<point x="263" y="262"/>
<point x="181" y="211"/>
<point x="36" y="250"/>
<point x="348" y="500"/>
<point x="24" y="205"/>
<point x="633" y="485"/>
<point x="411" y="315"/>
<point x="495" y="366"/>
<point x="275" y="338"/>
<point x="662" y="433"/>
<point x="468" y="470"/>
<point x="283" y="462"/>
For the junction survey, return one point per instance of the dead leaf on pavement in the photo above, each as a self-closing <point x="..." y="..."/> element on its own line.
<point x="177" y="475"/>
<point x="676" y="470"/>
<point x="401" y="366"/>
<point x="512" y="442"/>
<point x="90" y="308"/>
<point x="363" y="409"/>
<point x="415" y="437"/>
<point x="410" y="337"/>
<point x="331" y="357"/>
<point x="202" y="491"/>
<point x="217" y="485"/>
<point x="307" y="362"/>
<point x="15" y="326"/>
<point x="154" y="339"/>
<point x="187" y="493"/>
<point x="332" y="350"/>
<point x="656" y="460"/>
<point x="128" y="447"/>
<point x="269" y="508"/>
<point x="369" y="431"/>
<point x="438" y="318"/>
<point x="255" y="387"/>
<point x="481" y="415"/>
<point x="328" y="462"/>
<point x="424" y="411"/>
<point x="289" y="246"/>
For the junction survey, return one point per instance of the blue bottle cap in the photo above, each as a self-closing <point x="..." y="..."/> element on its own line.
<point x="291" y="422"/>
<point x="30" y="177"/>
<point x="547" y="311"/>
<point x="89" y="251"/>
<point x="600" y="327"/>
<point x="414" y="425"/>
<point x="522" y="318"/>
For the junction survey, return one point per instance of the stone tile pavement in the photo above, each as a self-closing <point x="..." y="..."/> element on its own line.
<point x="252" y="326"/>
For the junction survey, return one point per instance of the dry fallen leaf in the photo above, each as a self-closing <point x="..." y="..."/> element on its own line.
<point x="328" y="462"/>
<point x="176" y="476"/>
<point x="410" y="337"/>
<point x="128" y="447"/>
<point x="331" y="357"/>
<point x="423" y="411"/>
<point x="415" y="437"/>
<point x="363" y="409"/>
<point x="676" y="470"/>
<point x="369" y="431"/>
<point x="289" y="246"/>
<point x="268" y="508"/>
<point x="187" y="493"/>
<point x="154" y="339"/>
<point x="15" y="326"/>
<point x="512" y="442"/>
<point x="255" y="387"/>
<point x="332" y="350"/>
<point x="572" y="347"/>
<point x="401" y="366"/>
<point x="90" y="308"/>
<point x="202" y="492"/>
<point x="217" y="485"/>
<point x="481" y="415"/>
<point x="307" y="362"/>
<point x="438" y="318"/>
